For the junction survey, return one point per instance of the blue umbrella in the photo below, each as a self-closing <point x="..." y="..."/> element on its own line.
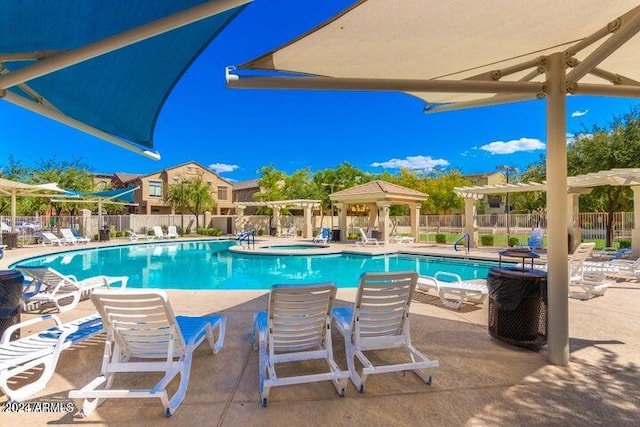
<point x="104" y="66"/>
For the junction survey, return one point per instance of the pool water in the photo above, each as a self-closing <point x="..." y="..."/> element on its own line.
<point x="295" y="247"/>
<point x="210" y="265"/>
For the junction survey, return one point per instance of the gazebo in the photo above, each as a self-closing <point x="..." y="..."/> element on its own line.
<point x="306" y="205"/>
<point x="378" y="196"/>
<point x="576" y="185"/>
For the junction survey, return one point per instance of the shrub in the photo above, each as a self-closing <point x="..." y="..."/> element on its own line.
<point x="260" y="232"/>
<point x="624" y="244"/>
<point x="96" y="237"/>
<point x="352" y="236"/>
<point x="514" y="241"/>
<point x="441" y="238"/>
<point x="486" y="240"/>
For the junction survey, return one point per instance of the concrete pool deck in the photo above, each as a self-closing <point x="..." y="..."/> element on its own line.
<point x="481" y="381"/>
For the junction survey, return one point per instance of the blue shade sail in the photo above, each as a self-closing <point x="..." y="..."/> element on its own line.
<point x="121" y="92"/>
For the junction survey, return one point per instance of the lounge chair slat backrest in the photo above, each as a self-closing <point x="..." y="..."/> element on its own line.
<point x="297" y="316"/>
<point x="51" y="280"/>
<point x="382" y="303"/>
<point x="141" y="323"/>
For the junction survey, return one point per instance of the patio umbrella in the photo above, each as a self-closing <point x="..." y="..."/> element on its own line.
<point x="464" y="53"/>
<point x="104" y="67"/>
<point x="14" y="189"/>
<point x="119" y="196"/>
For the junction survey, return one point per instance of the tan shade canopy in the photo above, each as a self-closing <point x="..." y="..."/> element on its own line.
<point x="463" y="41"/>
<point x="464" y="53"/>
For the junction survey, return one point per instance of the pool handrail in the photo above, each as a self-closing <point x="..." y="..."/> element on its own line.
<point x="468" y="245"/>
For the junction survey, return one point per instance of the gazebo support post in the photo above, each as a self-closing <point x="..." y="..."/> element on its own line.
<point x="307" y="232"/>
<point x="238" y="224"/>
<point x="342" y="220"/>
<point x="558" y="277"/>
<point x="573" y="226"/>
<point x="386" y="221"/>
<point x="414" y="212"/>
<point x="471" y="221"/>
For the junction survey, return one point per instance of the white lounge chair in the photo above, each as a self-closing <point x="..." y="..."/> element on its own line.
<point x="19" y="357"/>
<point x="297" y="327"/>
<point x="616" y="268"/>
<point x="158" y="233"/>
<point x="68" y="236"/>
<point x="453" y="291"/>
<point x="364" y="239"/>
<point x="379" y="320"/>
<point x="291" y="232"/>
<point x="592" y="283"/>
<point x="172" y="232"/>
<point x="144" y="335"/>
<point x="48" y="238"/>
<point x="50" y="286"/>
<point x="401" y="239"/>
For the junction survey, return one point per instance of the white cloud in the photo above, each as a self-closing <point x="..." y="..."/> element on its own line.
<point x="222" y="168"/>
<point x="420" y="163"/>
<point x="513" y="146"/>
<point x="579" y="113"/>
<point x="572" y="137"/>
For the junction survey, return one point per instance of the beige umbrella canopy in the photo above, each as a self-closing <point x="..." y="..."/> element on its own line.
<point x="465" y="53"/>
<point x="15" y="188"/>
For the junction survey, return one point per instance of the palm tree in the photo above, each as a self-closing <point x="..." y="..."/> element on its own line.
<point x="177" y="195"/>
<point x="199" y="197"/>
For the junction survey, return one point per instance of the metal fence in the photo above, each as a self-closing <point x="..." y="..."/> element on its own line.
<point x="593" y="225"/>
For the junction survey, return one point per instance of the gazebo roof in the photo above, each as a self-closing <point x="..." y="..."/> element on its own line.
<point x="378" y="191"/>
<point x="575" y="184"/>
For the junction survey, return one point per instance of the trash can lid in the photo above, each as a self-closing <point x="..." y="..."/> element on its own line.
<point x="6" y="275"/>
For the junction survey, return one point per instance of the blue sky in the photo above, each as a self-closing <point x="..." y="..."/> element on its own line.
<point x="236" y="132"/>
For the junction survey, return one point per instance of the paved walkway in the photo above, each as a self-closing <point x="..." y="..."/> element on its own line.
<point x="480" y="382"/>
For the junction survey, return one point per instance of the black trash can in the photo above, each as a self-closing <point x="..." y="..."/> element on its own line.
<point x="518" y="306"/>
<point x="104" y="234"/>
<point x="335" y="235"/>
<point x="10" y="239"/>
<point x="11" y="282"/>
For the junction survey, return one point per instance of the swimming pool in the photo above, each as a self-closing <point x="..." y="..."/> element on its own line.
<point x="210" y="265"/>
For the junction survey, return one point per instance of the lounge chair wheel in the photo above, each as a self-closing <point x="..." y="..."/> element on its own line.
<point x="264" y="402"/>
<point x="428" y="381"/>
<point x="362" y="388"/>
<point x="167" y="412"/>
<point x="342" y="393"/>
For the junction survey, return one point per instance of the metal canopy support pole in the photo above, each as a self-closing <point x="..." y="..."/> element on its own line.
<point x="635" y="232"/>
<point x="558" y="278"/>
<point x="14" y="202"/>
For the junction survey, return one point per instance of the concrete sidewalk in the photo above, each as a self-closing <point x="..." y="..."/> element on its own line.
<point x="480" y="382"/>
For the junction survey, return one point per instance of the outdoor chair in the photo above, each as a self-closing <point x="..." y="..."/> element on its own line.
<point x="144" y="335"/>
<point x="591" y="281"/>
<point x="68" y="236"/>
<point x="365" y="240"/>
<point x="379" y="320"/>
<point x="296" y="328"/>
<point x="48" y="238"/>
<point x="401" y="239"/>
<point x="19" y="358"/>
<point x="323" y="236"/>
<point x="172" y="232"/>
<point x="158" y="233"/>
<point x="452" y="290"/>
<point x="622" y="269"/>
<point x="291" y="232"/>
<point x="48" y="286"/>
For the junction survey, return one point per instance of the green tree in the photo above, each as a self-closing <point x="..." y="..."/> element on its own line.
<point x="442" y="199"/>
<point x="70" y="175"/>
<point x="199" y="197"/>
<point x="177" y="195"/>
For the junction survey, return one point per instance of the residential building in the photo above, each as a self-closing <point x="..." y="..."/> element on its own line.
<point x="150" y="196"/>
<point x="243" y="191"/>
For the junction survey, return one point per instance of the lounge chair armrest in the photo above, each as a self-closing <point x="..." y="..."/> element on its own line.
<point x="454" y="276"/>
<point x="6" y="336"/>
